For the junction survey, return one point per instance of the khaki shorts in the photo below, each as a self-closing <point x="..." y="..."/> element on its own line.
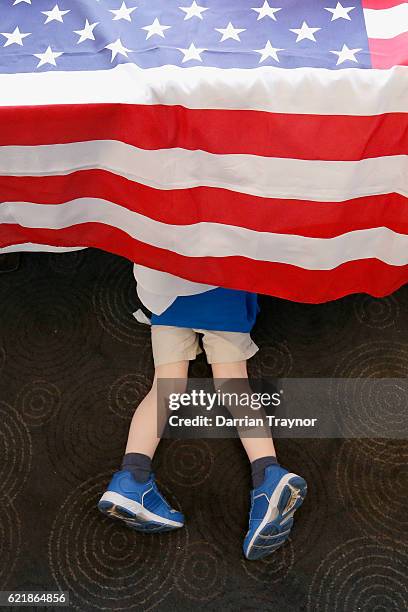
<point x="171" y="344"/>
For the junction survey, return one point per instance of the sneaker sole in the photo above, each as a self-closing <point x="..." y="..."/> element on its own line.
<point x="275" y="527"/>
<point x="133" y="514"/>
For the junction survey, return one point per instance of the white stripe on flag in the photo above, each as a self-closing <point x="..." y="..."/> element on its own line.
<point x="181" y="169"/>
<point x="319" y="91"/>
<point x="34" y="247"/>
<point x="216" y="239"/>
<point x="387" y="23"/>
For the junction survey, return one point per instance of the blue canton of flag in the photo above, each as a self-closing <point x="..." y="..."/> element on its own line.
<point x="41" y="35"/>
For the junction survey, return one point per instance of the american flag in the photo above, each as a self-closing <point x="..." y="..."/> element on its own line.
<point x="252" y="144"/>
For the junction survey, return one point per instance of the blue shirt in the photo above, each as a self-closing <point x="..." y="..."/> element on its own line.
<point x="218" y="309"/>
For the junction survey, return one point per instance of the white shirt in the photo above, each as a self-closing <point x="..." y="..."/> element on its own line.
<point x="157" y="290"/>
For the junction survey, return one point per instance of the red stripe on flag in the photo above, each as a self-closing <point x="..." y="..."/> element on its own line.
<point x="210" y="204"/>
<point x="312" y="137"/>
<point x="389" y="52"/>
<point x="281" y="280"/>
<point x="380" y="4"/>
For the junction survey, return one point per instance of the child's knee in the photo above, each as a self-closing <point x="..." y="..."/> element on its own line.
<point x="174" y="380"/>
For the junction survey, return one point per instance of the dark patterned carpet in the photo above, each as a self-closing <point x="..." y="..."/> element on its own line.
<point x="73" y="364"/>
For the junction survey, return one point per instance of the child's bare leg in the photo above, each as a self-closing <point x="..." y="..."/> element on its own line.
<point x="143" y="434"/>
<point x="255" y="447"/>
<point x="269" y="523"/>
<point x="132" y="495"/>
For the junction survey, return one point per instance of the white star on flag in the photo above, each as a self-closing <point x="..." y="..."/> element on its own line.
<point x="192" y="53"/>
<point x="266" y="11"/>
<point x="155" y="28"/>
<point x="18" y="2"/>
<point x="123" y="12"/>
<point x="87" y="32"/>
<point x="117" y="48"/>
<point x="305" y="32"/>
<point x="48" y="57"/>
<point x="55" y="14"/>
<point x="268" y="51"/>
<point x="230" y="32"/>
<point x="15" y="37"/>
<point x="193" y="11"/>
<point x="340" y="11"/>
<point x="346" y="54"/>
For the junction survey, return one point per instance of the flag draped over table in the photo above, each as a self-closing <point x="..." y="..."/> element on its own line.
<point x="258" y="145"/>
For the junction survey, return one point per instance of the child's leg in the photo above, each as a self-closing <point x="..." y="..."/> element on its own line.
<point x="143" y="434"/>
<point x="173" y="348"/>
<point x="276" y="493"/>
<point x="132" y="494"/>
<point x="255" y="447"/>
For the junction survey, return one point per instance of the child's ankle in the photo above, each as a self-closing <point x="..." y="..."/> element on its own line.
<point x="258" y="468"/>
<point x="139" y="465"/>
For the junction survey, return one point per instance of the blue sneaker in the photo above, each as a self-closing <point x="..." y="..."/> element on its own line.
<point x="139" y="505"/>
<point x="272" y="507"/>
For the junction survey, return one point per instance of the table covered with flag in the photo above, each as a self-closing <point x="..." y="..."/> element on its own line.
<point x="251" y="144"/>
